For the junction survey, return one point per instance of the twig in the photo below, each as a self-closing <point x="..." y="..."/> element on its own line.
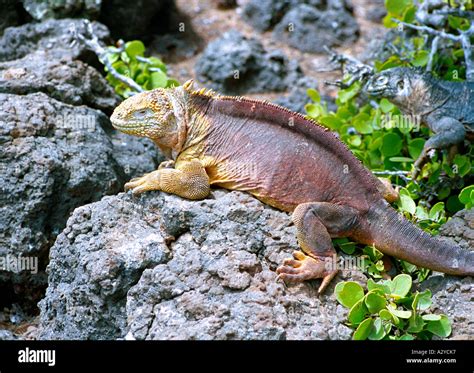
<point x="90" y="40"/>
<point x="464" y="38"/>
<point x="434" y="49"/>
<point x="400" y="174"/>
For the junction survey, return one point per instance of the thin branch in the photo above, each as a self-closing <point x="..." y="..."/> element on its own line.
<point x="434" y="49"/>
<point x="90" y="40"/>
<point x="464" y="38"/>
<point x="428" y="30"/>
<point x="400" y="174"/>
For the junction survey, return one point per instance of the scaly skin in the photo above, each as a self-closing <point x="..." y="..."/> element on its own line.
<point x="447" y="108"/>
<point x="288" y="162"/>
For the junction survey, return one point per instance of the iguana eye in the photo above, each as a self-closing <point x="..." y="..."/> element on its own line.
<point x="400" y="84"/>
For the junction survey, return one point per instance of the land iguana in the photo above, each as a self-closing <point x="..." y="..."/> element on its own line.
<point x="447" y="108"/>
<point x="285" y="160"/>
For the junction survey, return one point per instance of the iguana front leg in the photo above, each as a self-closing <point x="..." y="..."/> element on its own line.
<point x="448" y="131"/>
<point x="188" y="180"/>
<point x="315" y="223"/>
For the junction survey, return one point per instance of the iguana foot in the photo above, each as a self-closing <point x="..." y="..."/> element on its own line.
<point x="142" y="184"/>
<point x="302" y="267"/>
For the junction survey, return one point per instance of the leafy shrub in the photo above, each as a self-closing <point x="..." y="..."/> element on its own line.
<point x="130" y="61"/>
<point x="389" y="311"/>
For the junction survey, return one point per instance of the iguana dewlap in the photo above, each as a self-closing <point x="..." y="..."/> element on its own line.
<point x="288" y="162"/>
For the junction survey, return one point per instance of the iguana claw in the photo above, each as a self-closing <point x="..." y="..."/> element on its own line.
<point x="302" y="267"/>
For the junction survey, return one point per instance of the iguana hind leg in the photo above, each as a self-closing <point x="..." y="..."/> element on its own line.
<point x="188" y="179"/>
<point x="316" y="223"/>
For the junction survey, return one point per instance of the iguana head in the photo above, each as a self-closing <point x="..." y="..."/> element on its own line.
<point x="399" y="85"/>
<point x="155" y="114"/>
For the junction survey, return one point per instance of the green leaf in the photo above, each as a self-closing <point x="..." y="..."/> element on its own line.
<point x="172" y="83"/>
<point x="385" y="315"/>
<point x="466" y="196"/>
<point x="372" y="285"/>
<point x="156" y="62"/>
<point x="391" y="144"/>
<point x="441" y="328"/>
<point x="405" y="202"/>
<point x="422" y="301"/>
<point x="345" y="95"/>
<point x="362" y="123"/>
<point x="355" y="140"/>
<point x="348" y="293"/>
<point x="396" y="7"/>
<point x="357" y="312"/>
<point x="431" y="317"/>
<point x="415" y="147"/>
<point x="415" y="324"/>
<point x="374" y="302"/>
<point x="409" y="14"/>
<point x="313" y="95"/>
<point x="313" y="110"/>
<point x="401" y="285"/>
<point x="158" y="79"/>
<point x="399" y="313"/>
<point x="372" y="253"/>
<point x="330" y="121"/>
<point x="406" y="337"/>
<point x="345" y="245"/>
<point x="134" y="48"/>
<point x="437" y="211"/>
<point x="363" y="330"/>
<point x="421" y="58"/>
<point x="378" y="331"/>
<point x="386" y="105"/>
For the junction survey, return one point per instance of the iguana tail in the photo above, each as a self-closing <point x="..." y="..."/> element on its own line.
<point x="392" y="234"/>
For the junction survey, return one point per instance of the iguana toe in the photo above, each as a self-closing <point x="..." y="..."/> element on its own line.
<point x="303" y="268"/>
<point x="142" y="184"/>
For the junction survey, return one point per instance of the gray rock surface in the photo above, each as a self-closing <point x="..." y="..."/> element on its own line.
<point x="309" y="29"/>
<point x="453" y="296"/>
<point x="135" y="155"/>
<point x="51" y="35"/>
<point x="7" y="335"/>
<point x="41" y="10"/>
<point x="161" y="267"/>
<point x="70" y="81"/>
<point x="234" y="64"/>
<point x="54" y="158"/>
<point x="264" y="14"/>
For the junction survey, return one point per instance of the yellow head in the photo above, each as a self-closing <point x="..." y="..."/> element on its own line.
<point x="156" y="114"/>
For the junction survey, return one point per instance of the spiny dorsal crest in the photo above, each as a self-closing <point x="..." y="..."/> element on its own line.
<point x="189" y="87"/>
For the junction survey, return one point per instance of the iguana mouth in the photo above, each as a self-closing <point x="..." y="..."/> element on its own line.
<point x="121" y="124"/>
